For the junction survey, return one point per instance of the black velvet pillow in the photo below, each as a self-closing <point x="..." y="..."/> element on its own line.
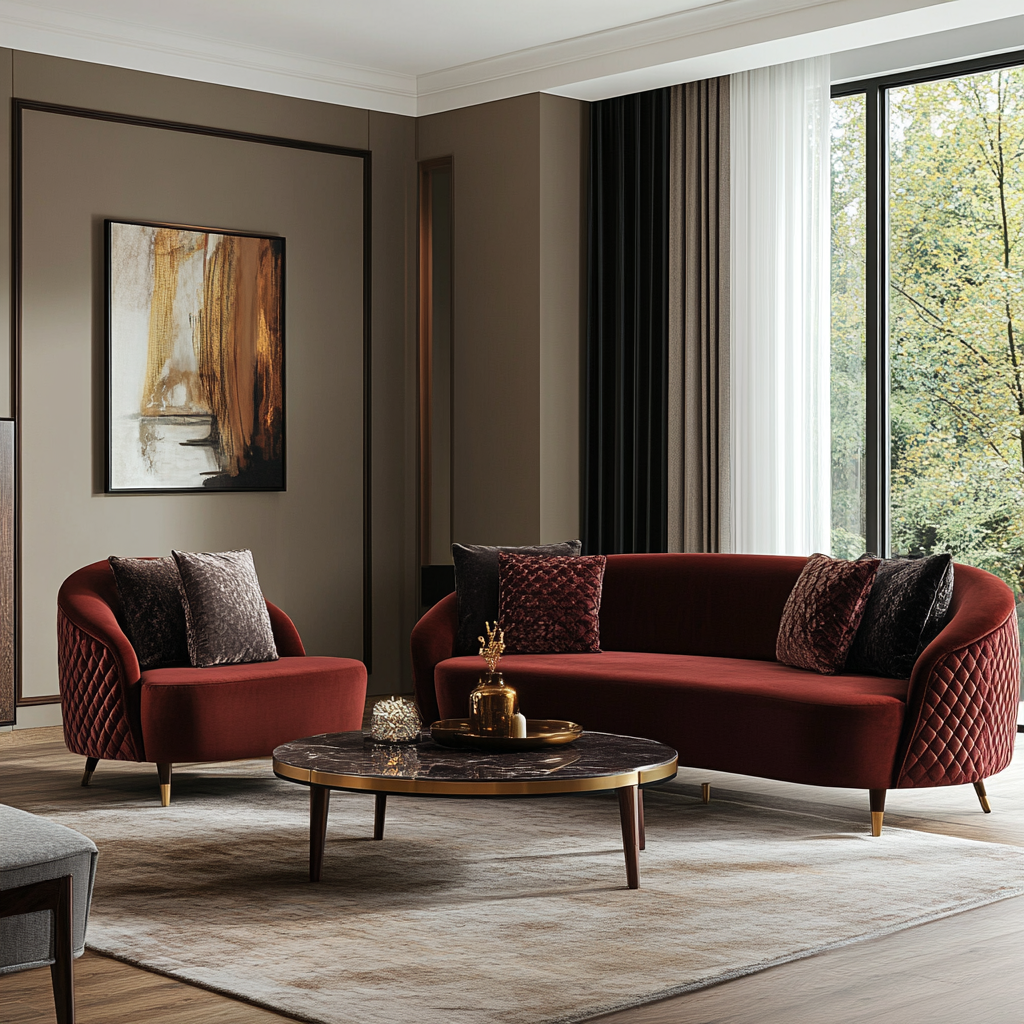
<point x="476" y="586"/>
<point x="906" y="609"/>
<point x="225" y="614"/>
<point x="154" y="617"/>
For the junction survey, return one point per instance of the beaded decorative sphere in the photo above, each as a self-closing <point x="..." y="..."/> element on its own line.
<point x="395" y="720"/>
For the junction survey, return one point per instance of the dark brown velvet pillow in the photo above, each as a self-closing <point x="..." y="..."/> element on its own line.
<point x="476" y="586"/>
<point x="154" y="617"/>
<point x="822" y="613"/>
<point x="550" y="605"/>
<point x="225" y="613"/>
<point x="906" y="609"/>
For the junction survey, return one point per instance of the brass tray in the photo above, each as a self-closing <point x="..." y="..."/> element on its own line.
<point x="540" y="732"/>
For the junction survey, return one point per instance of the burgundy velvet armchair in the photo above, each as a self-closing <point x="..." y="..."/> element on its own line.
<point x="114" y="711"/>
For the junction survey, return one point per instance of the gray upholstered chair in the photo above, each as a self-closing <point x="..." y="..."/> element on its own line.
<point x="46" y="878"/>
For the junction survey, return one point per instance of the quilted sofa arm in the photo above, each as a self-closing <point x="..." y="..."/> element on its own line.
<point x="432" y="641"/>
<point x="961" y="721"/>
<point x="99" y="687"/>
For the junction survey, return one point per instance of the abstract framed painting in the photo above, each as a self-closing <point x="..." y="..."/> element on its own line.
<point x="195" y="359"/>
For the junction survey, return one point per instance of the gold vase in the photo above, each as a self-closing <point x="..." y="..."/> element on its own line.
<point x="491" y="707"/>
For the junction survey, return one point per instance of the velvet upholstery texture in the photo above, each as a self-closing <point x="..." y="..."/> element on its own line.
<point x="755" y="716"/>
<point x="154" y="616"/>
<point x="907" y="606"/>
<point x="688" y="658"/>
<point x="225" y="611"/>
<point x="550" y="605"/>
<point x="823" y="612"/>
<point x="476" y="585"/>
<point x="246" y="709"/>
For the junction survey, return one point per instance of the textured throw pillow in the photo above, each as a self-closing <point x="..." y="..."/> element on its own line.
<point x="550" y="605"/>
<point x="225" y="614"/>
<point x="907" y="607"/>
<point x="822" y="613"/>
<point x="476" y="586"/>
<point x="154" y="617"/>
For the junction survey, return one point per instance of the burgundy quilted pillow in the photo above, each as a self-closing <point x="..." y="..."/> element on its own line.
<point x="550" y="605"/>
<point x="822" y="613"/>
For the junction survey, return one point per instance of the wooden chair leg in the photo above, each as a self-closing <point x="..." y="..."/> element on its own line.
<point x="62" y="969"/>
<point x="51" y="894"/>
<point x="979" y="788"/>
<point x="90" y="767"/>
<point x="164" y="771"/>
<point x="877" y="799"/>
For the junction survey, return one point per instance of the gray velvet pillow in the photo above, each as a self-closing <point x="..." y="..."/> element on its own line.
<point x="225" y="613"/>
<point x="476" y="586"/>
<point x="907" y="607"/>
<point x="154" y="617"/>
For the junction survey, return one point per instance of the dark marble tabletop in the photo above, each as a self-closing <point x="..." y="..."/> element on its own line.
<point x="593" y="755"/>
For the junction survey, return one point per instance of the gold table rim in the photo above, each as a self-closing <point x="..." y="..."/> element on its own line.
<point x="642" y="776"/>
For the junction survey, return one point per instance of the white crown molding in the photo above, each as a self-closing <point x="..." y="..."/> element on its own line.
<point x="62" y="33"/>
<point x="735" y="35"/>
<point x="717" y="38"/>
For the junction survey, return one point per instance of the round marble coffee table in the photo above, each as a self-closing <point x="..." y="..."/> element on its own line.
<point x="597" y="761"/>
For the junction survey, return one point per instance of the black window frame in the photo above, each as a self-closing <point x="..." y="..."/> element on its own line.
<point x="878" y="536"/>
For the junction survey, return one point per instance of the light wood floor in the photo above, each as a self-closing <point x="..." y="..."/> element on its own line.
<point x="965" y="968"/>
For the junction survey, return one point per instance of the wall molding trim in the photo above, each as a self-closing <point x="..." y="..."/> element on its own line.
<point x="712" y="39"/>
<point x="18" y="108"/>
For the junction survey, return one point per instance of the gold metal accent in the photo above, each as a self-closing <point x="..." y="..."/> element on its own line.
<point x="467" y="787"/>
<point x="395" y="720"/>
<point x="165" y="794"/>
<point x="876" y="822"/>
<point x="491" y="707"/>
<point x="540" y="732"/>
<point x="492" y="650"/>
<point x="86" y="777"/>
<point x="705" y="792"/>
<point x="979" y="788"/>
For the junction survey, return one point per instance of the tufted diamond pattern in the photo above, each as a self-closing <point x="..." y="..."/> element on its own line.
<point x="550" y="605"/>
<point x="95" y="718"/>
<point x="968" y="719"/>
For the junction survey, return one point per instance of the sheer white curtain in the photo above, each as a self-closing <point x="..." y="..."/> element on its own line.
<point x="780" y="434"/>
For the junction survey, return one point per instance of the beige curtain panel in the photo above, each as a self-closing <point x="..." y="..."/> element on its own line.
<point x="698" y="318"/>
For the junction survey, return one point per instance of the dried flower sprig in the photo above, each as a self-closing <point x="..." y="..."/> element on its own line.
<point x="493" y="648"/>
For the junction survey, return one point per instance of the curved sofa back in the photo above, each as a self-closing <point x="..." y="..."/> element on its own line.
<point x="712" y="605"/>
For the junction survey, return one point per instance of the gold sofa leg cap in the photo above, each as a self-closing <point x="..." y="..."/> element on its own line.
<point x="90" y="767"/>
<point x="876" y="822"/>
<point x="165" y="795"/>
<point x="705" y="792"/>
<point x="164" y="771"/>
<point x="979" y="788"/>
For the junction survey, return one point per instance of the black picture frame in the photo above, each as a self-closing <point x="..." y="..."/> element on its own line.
<point x="195" y="351"/>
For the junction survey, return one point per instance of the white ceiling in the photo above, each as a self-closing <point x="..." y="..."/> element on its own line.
<point x="421" y="56"/>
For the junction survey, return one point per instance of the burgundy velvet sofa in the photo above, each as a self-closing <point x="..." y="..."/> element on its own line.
<point x="688" y="658"/>
<point x="113" y="710"/>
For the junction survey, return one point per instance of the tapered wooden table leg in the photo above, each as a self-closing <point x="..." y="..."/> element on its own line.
<point x="378" y="815"/>
<point x="319" y="805"/>
<point x="628" y="805"/>
<point x="640" y="817"/>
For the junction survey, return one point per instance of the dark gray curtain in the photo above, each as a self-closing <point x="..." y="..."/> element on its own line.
<point x="698" y="363"/>
<point x="625" y="500"/>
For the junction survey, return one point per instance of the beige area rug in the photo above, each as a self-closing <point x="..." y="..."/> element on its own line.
<point x="509" y="911"/>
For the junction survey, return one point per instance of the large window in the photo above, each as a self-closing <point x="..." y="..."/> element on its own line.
<point x="928" y="317"/>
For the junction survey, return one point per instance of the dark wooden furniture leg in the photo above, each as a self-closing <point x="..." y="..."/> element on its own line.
<point x="379" y="806"/>
<point x="164" y="771"/>
<point x="640" y="817"/>
<point x="90" y="767"/>
<point x="876" y="798"/>
<point x="630" y="834"/>
<point x="51" y="894"/>
<point x="319" y="805"/>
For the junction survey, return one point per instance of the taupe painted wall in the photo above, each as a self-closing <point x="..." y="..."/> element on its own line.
<point x="307" y="541"/>
<point x="517" y="339"/>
